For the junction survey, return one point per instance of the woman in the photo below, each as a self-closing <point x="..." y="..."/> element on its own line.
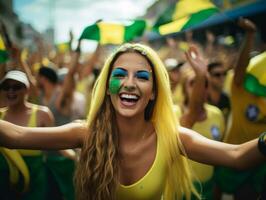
<point x="131" y="145"/>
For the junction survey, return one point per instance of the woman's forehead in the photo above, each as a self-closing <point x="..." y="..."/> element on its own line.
<point x="132" y="59"/>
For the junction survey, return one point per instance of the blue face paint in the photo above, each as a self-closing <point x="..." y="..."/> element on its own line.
<point x="145" y="75"/>
<point x="119" y="73"/>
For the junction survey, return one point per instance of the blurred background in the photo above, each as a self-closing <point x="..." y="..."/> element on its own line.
<point x="52" y="20"/>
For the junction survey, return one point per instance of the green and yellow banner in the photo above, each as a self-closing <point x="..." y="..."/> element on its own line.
<point x="255" y="79"/>
<point x="3" y="52"/>
<point x="114" y="33"/>
<point x="183" y="15"/>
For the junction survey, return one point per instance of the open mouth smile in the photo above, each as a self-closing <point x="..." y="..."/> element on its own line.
<point x="128" y="99"/>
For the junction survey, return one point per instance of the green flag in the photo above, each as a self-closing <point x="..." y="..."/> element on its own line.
<point x="255" y="79"/>
<point x="184" y="15"/>
<point x="114" y="33"/>
<point x="3" y="52"/>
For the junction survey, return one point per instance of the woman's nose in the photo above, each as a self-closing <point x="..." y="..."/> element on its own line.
<point x="130" y="84"/>
<point x="130" y="88"/>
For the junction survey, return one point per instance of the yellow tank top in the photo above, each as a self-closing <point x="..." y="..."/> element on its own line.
<point x="151" y="186"/>
<point x="212" y="128"/>
<point x="248" y="116"/>
<point x="31" y="123"/>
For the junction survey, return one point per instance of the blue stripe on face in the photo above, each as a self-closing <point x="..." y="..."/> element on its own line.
<point x="143" y="75"/>
<point x="119" y="73"/>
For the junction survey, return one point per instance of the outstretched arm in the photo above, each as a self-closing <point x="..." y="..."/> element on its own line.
<point x="211" y="152"/>
<point x="47" y="138"/>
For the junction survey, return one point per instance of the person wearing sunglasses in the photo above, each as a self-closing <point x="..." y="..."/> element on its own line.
<point x="31" y="184"/>
<point x="216" y="96"/>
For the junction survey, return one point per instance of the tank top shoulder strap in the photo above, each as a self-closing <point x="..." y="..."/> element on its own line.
<point x="3" y="113"/>
<point x="33" y="118"/>
<point x="31" y="123"/>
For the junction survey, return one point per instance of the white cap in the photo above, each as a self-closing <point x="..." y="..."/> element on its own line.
<point x="17" y="76"/>
<point x="61" y="73"/>
<point x="172" y="63"/>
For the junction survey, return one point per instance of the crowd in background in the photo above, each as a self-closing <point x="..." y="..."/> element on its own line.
<point x="211" y="100"/>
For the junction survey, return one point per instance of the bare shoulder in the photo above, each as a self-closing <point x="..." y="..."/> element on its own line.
<point x="2" y="110"/>
<point x="44" y="116"/>
<point x="44" y="110"/>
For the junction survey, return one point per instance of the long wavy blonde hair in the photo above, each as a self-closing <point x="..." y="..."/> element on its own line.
<point x="97" y="172"/>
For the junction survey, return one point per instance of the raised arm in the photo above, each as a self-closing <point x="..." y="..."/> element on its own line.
<point x="46" y="138"/>
<point x="65" y="97"/>
<point x="18" y="62"/>
<point x="197" y="97"/>
<point x="244" y="57"/>
<point x="211" y="152"/>
<point x="89" y="65"/>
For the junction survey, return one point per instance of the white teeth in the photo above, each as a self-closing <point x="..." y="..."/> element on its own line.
<point x="129" y="96"/>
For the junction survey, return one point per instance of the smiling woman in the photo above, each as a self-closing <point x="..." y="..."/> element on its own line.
<point x="141" y="76"/>
<point x="132" y="145"/>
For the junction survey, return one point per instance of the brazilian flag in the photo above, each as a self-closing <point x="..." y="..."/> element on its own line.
<point x="183" y="15"/>
<point x="114" y="33"/>
<point x="255" y="79"/>
<point x="3" y="52"/>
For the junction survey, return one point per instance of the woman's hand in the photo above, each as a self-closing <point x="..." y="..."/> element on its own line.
<point x="196" y="60"/>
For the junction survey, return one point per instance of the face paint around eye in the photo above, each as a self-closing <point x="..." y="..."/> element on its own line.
<point x="143" y="75"/>
<point x="118" y="72"/>
<point x="114" y="85"/>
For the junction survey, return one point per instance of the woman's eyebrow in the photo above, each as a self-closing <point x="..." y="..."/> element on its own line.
<point x="144" y="70"/>
<point x="119" y="68"/>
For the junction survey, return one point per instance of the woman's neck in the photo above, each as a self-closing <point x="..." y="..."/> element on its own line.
<point x="19" y="107"/>
<point x="132" y="128"/>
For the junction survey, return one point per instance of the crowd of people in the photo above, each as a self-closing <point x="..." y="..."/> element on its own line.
<point x="173" y="124"/>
